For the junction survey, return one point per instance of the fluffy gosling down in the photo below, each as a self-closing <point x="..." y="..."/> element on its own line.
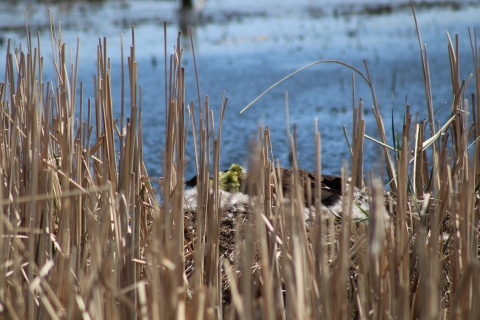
<point x="228" y="180"/>
<point x="235" y="180"/>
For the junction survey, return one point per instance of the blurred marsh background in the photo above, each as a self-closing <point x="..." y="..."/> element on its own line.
<point x="243" y="47"/>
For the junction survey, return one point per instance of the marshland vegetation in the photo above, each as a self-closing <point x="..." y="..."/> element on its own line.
<point x="84" y="234"/>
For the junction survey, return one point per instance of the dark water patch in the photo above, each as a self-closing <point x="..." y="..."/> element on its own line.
<point x="316" y="12"/>
<point x="389" y="8"/>
<point x="377" y="9"/>
<point x="454" y="5"/>
<point x="126" y="22"/>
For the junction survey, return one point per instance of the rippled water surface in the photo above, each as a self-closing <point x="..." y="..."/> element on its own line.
<point x="243" y="47"/>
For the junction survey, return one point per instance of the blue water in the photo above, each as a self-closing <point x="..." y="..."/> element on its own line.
<point x="244" y="48"/>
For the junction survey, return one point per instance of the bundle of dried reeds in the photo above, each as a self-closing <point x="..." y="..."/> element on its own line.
<point x="83" y="236"/>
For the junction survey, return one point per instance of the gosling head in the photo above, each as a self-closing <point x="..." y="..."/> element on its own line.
<point x="236" y="169"/>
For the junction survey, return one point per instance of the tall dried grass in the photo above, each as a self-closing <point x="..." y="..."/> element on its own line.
<point x="83" y="236"/>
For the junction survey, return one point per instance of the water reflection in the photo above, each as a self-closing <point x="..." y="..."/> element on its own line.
<point x="188" y="19"/>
